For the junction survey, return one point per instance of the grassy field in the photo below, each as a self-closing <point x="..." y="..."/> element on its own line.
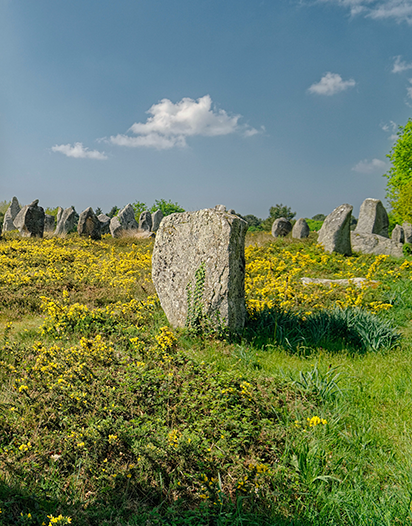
<point x="109" y="416"/>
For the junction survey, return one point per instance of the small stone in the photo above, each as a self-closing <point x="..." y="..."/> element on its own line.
<point x="281" y="227"/>
<point x="373" y="218"/>
<point x="89" y="225"/>
<point x="335" y="232"/>
<point x="398" y="234"/>
<point x="300" y="229"/>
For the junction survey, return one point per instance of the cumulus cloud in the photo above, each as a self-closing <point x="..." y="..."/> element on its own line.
<point x="397" y="10"/>
<point x="170" y="124"/>
<point x="367" y="167"/>
<point x="78" y="151"/>
<point x="400" y="65"/>
<point x="330" y="84"/>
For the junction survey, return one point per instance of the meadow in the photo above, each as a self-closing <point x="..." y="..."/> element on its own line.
<point x="110" y="416"/>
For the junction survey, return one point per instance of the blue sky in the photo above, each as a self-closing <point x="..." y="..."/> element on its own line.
<point x="247" y="103"/>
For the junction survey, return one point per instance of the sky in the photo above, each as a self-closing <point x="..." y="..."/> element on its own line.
<point x="246" y="103"/>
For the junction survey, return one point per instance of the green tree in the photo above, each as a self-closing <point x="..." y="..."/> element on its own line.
<point x="52" y="211"/>
<point x="319" y="217"/>
<point x="113" y="212"/>
<point x="400" y="173"/>
<point x="167" y="207"/>
<point x="253" y="222"/>
<point x="138" y="208"/>
<point x="275" y="212"/>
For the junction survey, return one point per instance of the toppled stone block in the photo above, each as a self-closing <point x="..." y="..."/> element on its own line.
<point x="208" y="239"/>
<point x="335" y="232"/>
<point x="281" y="227"/>
<point x="373" y="218"/>
<point x="300" y="229"/>
<point x="89" y="225"/>
<point x="374" y="244"/>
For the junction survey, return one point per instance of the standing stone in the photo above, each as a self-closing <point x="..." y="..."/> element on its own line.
<point x="104" y="223"/>
<point x="407" y="230"/>
<point x="67" y="222"/>
<point x="185" y="242"/>
<point x="300" y="229"/>
<point x="145" y="221"/>
<point x="10" y="215"/>
<point x="30" y="220"/>
<point x="156" y="220"/>
<point x="281" y="227"/>
<point x="398" y="234"/>
<point x="335" y="232"/>
<point x="124" y="223"/>
<point x="49" y="223"/>
<point x="373" y="218"/>
<point x="89" y="225"/>
<point x="59" y="214"/>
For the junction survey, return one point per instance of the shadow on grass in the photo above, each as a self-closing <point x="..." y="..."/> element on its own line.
<point x="353" y="329"/>
<point x="20" y="507"/>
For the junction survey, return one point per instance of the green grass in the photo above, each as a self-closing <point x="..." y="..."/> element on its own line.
<point x="110" y="419"/>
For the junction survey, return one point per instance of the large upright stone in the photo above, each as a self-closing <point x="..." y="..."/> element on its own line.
<point x="335" y="232"/>
<point x="185" y="242"/>
<point x="145" y="221"/>
<point x="300" y="229"/>
<point x="124" y="223"/>
<point x="373" y="218"/>
<point x="281" y="227"/>
<point x="67" y="221"/>
<point x="89" y="225"/>
<point x="398" y="235"/>
<point x="10" y="215"/>
<point x="104" y="223"/>
<point x="49" y="223"/>
<point x="156" y="220"/>
<point x="407" y="230"/>
<point x="30" y="220"/>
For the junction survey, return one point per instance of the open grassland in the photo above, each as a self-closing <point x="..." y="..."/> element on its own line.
<point x="109" y="416"/>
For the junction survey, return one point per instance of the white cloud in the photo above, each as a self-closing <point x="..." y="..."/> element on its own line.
<point x="397" y="10"/>
<point x="391" y="128"/>
<point x="330" y="84"/>
<point x="170" y="124"/>
<point x="78" y="151"/>
<point x="367" y="167"/>
<point x="400" y="65"/>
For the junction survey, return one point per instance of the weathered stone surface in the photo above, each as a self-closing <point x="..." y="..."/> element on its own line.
<point x="407" y="231"/>
<point x="59" y="214"/>
<point x="145" y="221"/>
<point x="156" y="220"/>
<point x="231" y="211"/>
<point x="10" y="215"/>
<point x="220" y="208"/>
<point x="300" y="229"/>
<point x="89" y="225"/>
<point x="335" y="232"/>
<point x="67" y="221"/>
<point x="281" y="227"/>
<point x="104" y="223"/>
<point x="187" y="240"/>
<point x="30" y="220"/>
<point x="373" y="218"/>
<point x="359" y="282"/>
<point x="398" y="234"/>
<point x="374" y="244"/>
<point x="49" y="223"/>
<point x="124" y="223"/>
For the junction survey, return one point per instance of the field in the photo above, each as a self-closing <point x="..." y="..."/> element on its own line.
<point x="109" y="416"/>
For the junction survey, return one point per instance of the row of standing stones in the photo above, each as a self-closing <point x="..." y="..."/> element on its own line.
<point x="31" y="221"/>
<point x="214" y="239"/>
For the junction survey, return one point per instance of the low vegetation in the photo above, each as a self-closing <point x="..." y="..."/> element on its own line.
<point x="109" y="416"/>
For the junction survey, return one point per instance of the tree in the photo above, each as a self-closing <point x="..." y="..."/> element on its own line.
<point x="138" y="208"/>
<point x="167" y="207"/>
<point x="253" y="221"/>
<point x="400" y="173"/>
<point x="275" y="212"/>
<point x="113" y="212"/>
<point x="98" y="211"/>
<point x="319" y="217"/>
